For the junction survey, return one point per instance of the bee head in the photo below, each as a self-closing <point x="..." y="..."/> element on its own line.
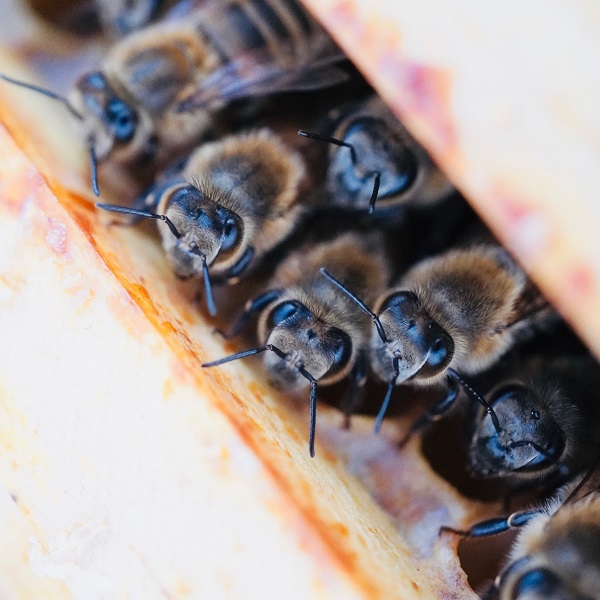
<point x="530" y="440"/>
<point x="206" y="229"/>
<point x="423" y="349"/>
<point x="111" y="123"/>
<point x="372" y="149"/>
<point x="308" y="343"/>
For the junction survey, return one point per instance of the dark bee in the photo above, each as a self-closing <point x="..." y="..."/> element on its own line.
<point x="548" y="414"/>
<point x="234" y="200"/>
<point x="454" y="313"/>
<point x="555" y="556"/>
<point x="158" y="89"/>
<point x="309" y="332"/>
<point x="374" y="161"/>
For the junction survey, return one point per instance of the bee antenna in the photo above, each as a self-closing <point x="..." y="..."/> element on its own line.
<point x="281" y="354"/>
<point x="94" y="168"/>
<point x="375" y="192"/>
<point x="244" y="354"/>
<point x="358" y="302"/>
<point x="139" y="213"/>
<point x="45" y="92"/>
<point x="210" y="300"/>
<point x="478" y="397"/>
<point x="313" y="407"/>
<point x="388" y="395"/>
<point x="330" y="140"/>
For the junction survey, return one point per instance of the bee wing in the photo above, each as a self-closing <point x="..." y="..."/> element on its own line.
<point x="589" y="484"/>
<point x="528" y="304"/>
<point x="257" y="73"/>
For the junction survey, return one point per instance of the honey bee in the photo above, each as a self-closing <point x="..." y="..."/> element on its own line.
<point x="308" y="331"/>
<point x="555" y="556"/>
<point x="452" y="314"/>
<point x="158" y="89"/>
<point x="374" y="161"/>
<point x="548" y="415"/>
<point x="233" y="201"/>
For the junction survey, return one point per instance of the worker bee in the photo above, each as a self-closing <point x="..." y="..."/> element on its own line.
<point x="449" y="315"/>
<point x="158" y="89"/>
<point x="555" y="556"/>
<point x="548" y="415"/>
<point x="374" y="161"/>
<point x="233" y="201"/>
<point x="308" y="331"/>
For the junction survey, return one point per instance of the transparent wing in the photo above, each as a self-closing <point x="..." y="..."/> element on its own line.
<point x="258" y="73"/>
<point x="589" y="483"/>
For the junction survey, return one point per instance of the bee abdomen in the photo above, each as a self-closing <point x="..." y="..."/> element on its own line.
<point x="277" y="27"/>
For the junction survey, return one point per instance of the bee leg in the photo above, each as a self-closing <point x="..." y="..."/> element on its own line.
<point x="434" y="414"/>
<point x="353" y="398"/>
<point x="233" y="275"/>
<point x="494" y="526"/>
<point x="251" y="308"/>
<point x="147" y="201"/>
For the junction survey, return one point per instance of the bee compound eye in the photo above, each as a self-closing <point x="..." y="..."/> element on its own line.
<point x="438" y="355"/>
<point x="341" y="345"/>
<point x="405" y="303"/>
<point x="122" y="120"/>
<point x="283" y="312"/>
<point x="230" y="234"/>
<point x="540" y="582"/>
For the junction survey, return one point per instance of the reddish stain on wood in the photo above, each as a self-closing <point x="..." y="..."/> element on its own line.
<point x="422" y="91"/>
<point x="579" y="281"/>
<point x="513" y="210"/>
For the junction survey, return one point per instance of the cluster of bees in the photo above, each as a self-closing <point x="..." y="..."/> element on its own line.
<point x="337" y="303"/>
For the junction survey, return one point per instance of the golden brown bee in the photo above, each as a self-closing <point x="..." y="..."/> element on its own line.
<point x="548" y="415"/>
<point x="556" y="555"/>
<point x="234" y="200"/>
<point x="158" y="89"/>
<point x="448" y="315"/>
<point x="309" y="331"/>
<point x="374" y="161"/>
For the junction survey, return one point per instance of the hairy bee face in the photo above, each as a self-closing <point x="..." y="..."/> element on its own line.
<point x="377" y="150"/>
<point x="423" y="348"/>
<point x="530" y="439"/>
<point x="321" y="349"/>
<point x="206" y="229"/>
<point x="111" y="123"/>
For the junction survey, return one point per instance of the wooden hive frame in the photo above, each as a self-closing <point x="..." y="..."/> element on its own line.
<point x="117" y="450"/>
